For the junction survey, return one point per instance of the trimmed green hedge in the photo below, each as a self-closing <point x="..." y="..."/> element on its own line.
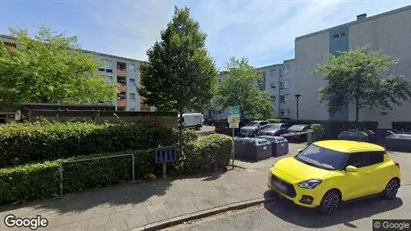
<point x="318" y="132"/>
<point x="208" y="152"/>
<point x="28" y="142"/>
<point x="42" y="180"/>
<point x="274" y="120"/>
<point x="401" y="126"/>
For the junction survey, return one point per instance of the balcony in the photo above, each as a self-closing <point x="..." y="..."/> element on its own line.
<point x="122" y="103"/>
<point x="144" y="107"/>
<point x="121" y="69"/>
<point x="122" y="88"/>
<point x="121" y="73"/>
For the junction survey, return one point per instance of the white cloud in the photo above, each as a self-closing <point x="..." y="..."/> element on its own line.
<point x="263" y="31"/>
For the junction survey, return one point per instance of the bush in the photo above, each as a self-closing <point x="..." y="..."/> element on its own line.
<point x="23" y="143"/>
<point x="274" y="120"/>
<point x="208" y="152"/>
<point x="401" y="126"/>
<point x="189" y="135"/>
<point x="318" y="132"/>
<point x="42" y="180"/>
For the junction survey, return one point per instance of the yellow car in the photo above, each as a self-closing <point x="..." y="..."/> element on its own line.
<point x="326" y="173"/>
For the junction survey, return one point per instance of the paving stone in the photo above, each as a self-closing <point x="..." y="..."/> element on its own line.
<point x="155" y="217"/>
<point x="156" y="208"/>
<point x="203" y="204"/>
<point x="136" y="220"/>
<point x="174" y="212"/>
<point x="187" y="209"/>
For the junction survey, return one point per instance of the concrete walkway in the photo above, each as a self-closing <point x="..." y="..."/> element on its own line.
<point x="131" y="206"/>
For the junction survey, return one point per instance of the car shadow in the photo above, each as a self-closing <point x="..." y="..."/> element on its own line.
<point x="310" y="218"/>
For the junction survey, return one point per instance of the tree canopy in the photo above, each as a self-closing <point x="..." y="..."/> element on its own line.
<point x="180" y="75"/>
<point x="238" y="87"/>
<point x="357" y="77"/>
<point x="50" y="68"/>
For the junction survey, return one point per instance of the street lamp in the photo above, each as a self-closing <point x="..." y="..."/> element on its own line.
<point x="297" y="96"/>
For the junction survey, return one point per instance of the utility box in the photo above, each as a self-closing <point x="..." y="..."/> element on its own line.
<point x="279" y="145"/>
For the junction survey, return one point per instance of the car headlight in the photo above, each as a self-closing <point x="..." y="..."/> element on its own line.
<point x="309" y="184"/>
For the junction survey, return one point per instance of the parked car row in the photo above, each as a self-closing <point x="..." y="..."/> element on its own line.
<point x="261" y="128"/>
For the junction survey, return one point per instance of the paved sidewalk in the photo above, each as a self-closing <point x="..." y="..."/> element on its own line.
<point x="131" y="206"/>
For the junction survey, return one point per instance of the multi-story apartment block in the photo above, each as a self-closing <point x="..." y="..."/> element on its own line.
<point x="123" y="71"/>
<point x="389" y="33"/>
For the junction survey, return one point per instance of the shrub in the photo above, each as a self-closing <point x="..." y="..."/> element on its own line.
<point x="189" y="135"/>
<point x="23" y="143"/>
<point x="208" y="152"/>
<point x="401" y="126"/>
<point x="318" y="132"/>
<point x="274" y="120"/>
<point x="42" y="180"/>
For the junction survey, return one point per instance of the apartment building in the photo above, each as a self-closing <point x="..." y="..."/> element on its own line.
<point x="278" y="81"/>
<point x="388" y="32"/>
<point x="123" y="71"/>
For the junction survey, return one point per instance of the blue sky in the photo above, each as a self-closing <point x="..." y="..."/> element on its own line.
<point x="261" y="30"/>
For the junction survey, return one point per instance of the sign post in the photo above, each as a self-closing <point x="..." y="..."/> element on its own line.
<point x="165" y="155"/>
<point x="234" y="122"/>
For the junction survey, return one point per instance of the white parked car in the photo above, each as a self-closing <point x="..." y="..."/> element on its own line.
<point x="193" y="120"/>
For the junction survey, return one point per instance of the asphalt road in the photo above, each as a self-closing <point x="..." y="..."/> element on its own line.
<point x="283" y="215"/>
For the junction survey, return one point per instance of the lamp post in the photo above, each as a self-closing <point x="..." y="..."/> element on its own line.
<point x="297" y="96"/>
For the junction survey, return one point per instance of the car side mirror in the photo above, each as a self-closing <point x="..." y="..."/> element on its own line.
<point x="351" y="168"/>
<point x="300" y="150"/>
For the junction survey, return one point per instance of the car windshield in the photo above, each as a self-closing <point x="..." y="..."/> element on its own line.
<point x="273" y="126"/>
<point x="322" y="158"/>
<point x="296" y="128"/>
<point x="253" y="124"/>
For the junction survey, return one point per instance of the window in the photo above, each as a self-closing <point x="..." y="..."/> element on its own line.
<point x="109" y="79"/>
<point x="287" y="69"/>
<point x="263" y="79"/>
<point x="282" y="112"/>
<point x="372" y="158"/>
<point x="287" y="97"/>
<point x="322" y="158"/>
<point x="281" y="85"/>
<point x="108" y="65"/>
<point x="288" y="112"/>
<point x="282" y="98"/>
<point x="263" y="123"/>
<point x="132" y="82"/>
<point x="132" y="67"/>
<point x="273" y="72"/>
<point x="132" y="96"/>
<point x="272" y="97"/>
<point x="132" y="109"/>
<point x="272" y="85"/>
<point x="287" y="83"/>
<point x="281" y="71"/>
<point x="356" y="160"/>
<point x="339" y="35"/>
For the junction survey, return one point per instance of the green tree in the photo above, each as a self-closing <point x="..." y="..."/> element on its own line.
<point x="356" y="77"/>
<point x="49" y="68"/>
<point x="238" y="87"/>
<point x="180" y="75"/>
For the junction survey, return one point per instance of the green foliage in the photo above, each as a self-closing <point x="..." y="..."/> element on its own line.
<point x="356" y="77"/>
<point x="24" y="142"/>
<point x="49" y="68"/>
<point x="237" y="88"/>
<point x="273" y="120"/>
<point x="180" y="74"/>
<point x="208" y="152"/>
<point x="189" y="136"/>
<point x="401" y="126"/>
<point x="318" y="131"/>
<point x="42" y="180"/>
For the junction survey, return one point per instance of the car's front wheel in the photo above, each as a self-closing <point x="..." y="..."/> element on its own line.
<point x="391" y="189"/>
<point x="330" y="202"/>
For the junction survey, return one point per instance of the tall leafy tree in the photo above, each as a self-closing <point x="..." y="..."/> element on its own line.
<point x="357" y="77"/>
<point x="238" y="87"/>
<point x="180" y="75"/>
<point x="49" y="68"/>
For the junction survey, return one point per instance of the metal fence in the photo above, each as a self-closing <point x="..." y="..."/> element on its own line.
<point x="93" y="159"/>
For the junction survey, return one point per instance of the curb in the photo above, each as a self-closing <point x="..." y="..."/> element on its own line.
<point x="201" y="214"/>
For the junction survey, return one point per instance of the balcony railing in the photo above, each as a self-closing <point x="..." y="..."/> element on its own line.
<point x="122" y="88"/>
<point x="122" y="103"/>
<point x="121" y="72"/>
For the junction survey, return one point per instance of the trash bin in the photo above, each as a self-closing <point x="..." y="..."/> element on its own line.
<point x="279" y="145"/>
<point x="354" y="135"/>
<point x="252" y="149"/>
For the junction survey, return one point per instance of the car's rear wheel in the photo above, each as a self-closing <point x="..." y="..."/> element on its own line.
<point x="391" y="189"/>
<point x="330" y="202"/>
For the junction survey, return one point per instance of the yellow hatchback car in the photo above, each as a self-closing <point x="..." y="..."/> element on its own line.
<point x="326" y="173"/>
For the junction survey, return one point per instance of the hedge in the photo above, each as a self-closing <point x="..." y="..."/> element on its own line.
<point x="318" y="132"/>
<point x="208" y="152"/>
<point x="25" y="143"/>
<point x="401" y="126"/>
<point x="42" y="180"/>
